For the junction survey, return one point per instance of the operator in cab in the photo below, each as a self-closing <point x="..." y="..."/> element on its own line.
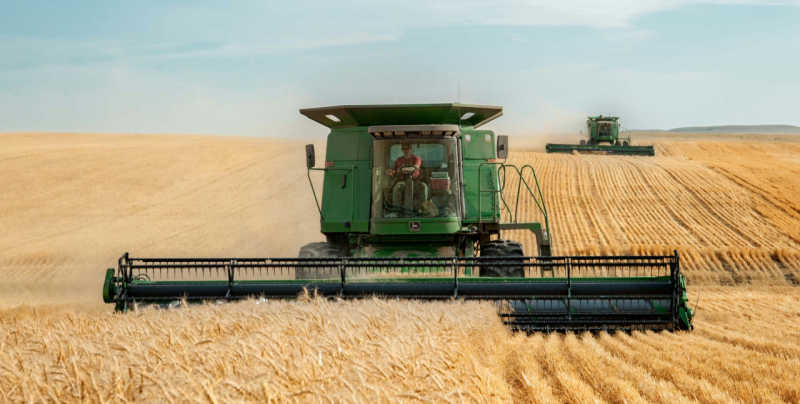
<point x="408" y="159"/>
<point x="407" y="190"/>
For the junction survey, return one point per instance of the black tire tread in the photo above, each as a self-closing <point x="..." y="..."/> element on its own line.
<point x="502" y="248"/>
<point x="317" y="250"/>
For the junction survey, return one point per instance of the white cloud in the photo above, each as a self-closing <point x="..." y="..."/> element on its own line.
<point x="382" y="15"/>
<point x="118" y="83"/>
<point x="256" y="28"/>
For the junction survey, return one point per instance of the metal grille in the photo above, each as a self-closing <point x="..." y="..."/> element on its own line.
<point x="350" y="270"/>
<point x="353" y="269"/>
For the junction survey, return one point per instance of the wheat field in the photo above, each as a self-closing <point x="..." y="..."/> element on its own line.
<point x="746" y="348"/>
<point x="72" y="203"/>
<point x="729" y="205"/>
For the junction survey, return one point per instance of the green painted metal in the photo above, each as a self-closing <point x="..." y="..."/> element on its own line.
<point x="347" y="116"/>
<point x="605" y="138"/>
<point x="108" y="287"/>
<point x="477" y="144"/>
<point x="603" y="129"/>
<point x="409" y="279"/>
<point x="426" y="226"/>
<point x="604" y="149"/>
<point x="346" y="183"/>
<point x="481" y="207"/>
<point x="347" y="192"/>
<point x="685" y="314"/>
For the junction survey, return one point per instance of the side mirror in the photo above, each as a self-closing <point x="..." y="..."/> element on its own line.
<point x="502" y="147"/>
<point x="311" y="160"/>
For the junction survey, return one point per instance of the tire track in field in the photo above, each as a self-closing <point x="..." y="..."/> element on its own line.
<point x="602" y="179"/>
<point x="588" y="189"/>
<point x="733" y="230"/>
<point x="786" y="207"/>
<point x="702" y="219"/>
<point x="653" y="213"/>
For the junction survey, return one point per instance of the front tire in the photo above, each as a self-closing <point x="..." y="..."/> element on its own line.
<point x="503" y="248"/>
<point x="317" y="250"/>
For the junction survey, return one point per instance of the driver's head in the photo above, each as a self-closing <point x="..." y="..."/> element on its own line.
<point x="406" y="149"/>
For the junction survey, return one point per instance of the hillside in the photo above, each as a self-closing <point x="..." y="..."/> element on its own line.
<point x="725" y="130"/>
<point x="739" y="129"/>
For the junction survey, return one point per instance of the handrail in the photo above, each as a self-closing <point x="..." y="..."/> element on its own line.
<point x="520" y="171"/>
<point x="348" y="169"/>
<point x="313" y="191"/>
<point x="539" y="202"/>
<point x="498" y="190"/>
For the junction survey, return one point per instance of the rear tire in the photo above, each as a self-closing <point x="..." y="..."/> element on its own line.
<point x="317" y="250"/>
<point x="503" y="248"/>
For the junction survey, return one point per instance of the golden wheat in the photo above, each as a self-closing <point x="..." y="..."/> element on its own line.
<point x="730" y="208"/>
<point x="390" y="351"/>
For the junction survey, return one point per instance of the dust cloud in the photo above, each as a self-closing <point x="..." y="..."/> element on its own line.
<point x="73" y="203"/>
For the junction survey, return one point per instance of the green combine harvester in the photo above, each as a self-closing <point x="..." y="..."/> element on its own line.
<point x="415" y="205"/>
<point x="604" y="138"/>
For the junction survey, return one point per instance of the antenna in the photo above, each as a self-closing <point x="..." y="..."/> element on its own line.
<point x="458" y="101"/>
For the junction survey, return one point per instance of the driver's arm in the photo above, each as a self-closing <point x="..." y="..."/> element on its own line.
<point x="418" y="164"/>
<point x="397" y="164"/>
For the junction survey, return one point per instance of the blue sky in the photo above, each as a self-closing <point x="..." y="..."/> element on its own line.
<point x="245" y="67"/>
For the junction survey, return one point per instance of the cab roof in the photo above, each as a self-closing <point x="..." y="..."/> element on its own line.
<point x="603" y="118"/>
<point x="345" y="116"/>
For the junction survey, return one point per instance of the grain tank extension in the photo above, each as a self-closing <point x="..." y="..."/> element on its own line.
<point x="417" y="202"/>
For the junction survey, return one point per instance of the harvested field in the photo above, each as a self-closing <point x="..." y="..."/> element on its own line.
<point x="730" y="206"/>
<point x="72" y="203"/>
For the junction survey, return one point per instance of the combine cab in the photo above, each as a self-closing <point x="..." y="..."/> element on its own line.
<point x="414" y="205"/>
<point x="603" y="138"/>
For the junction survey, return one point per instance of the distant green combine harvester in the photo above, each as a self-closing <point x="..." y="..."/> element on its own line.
<point x="602" y="130"/>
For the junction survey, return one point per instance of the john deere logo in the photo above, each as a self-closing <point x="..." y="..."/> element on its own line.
<point x="414" y="226"/>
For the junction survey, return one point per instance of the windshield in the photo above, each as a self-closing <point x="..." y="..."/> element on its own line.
<point x="605" y="127"/>
<point x="415" y="178"/>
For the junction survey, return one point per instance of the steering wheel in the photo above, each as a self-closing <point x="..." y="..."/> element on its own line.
<point x="408" y="170"/>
